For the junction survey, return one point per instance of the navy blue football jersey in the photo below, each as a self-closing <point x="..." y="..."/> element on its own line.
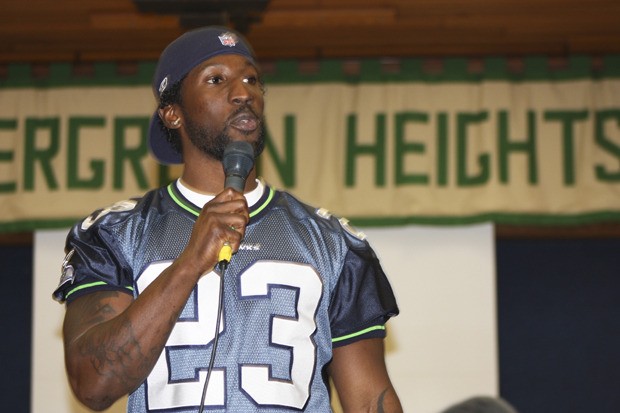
<point x="301" y="283"/>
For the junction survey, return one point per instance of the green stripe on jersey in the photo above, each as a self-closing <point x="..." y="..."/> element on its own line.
<point x="358" y="333"/>
<point x="94" y="284"/>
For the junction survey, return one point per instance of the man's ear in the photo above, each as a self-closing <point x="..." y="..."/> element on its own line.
<point x="169" y="116"/>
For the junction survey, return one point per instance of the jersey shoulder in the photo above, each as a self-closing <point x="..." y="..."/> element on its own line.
<point x="325" y="219"/>
<point x="119" y="211"/>
<point x="94" y="244"/>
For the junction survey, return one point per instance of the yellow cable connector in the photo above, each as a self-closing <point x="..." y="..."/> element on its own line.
<point x="225" y="253"/>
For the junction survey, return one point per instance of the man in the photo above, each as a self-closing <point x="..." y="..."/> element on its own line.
<point x="304" y="297"/>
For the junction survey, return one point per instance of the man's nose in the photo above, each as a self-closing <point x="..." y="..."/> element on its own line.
<point x="241" y="93"/>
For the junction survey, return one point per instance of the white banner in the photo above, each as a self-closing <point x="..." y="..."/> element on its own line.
<point x="378" y="153"/>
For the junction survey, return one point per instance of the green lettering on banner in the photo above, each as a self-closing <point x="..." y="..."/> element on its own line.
<point x="463" y="121"/>
<point x="377" y="150"/>
<point x="76" y="125"/>
<point x="402" y="148"/>
<point x="8" y="156"/>
<point x="442" y="149"/>
<point x="133" y="156"/>
<point x="43" y="156"/>
<point x="285" y="165"/>
<point x="567" y="119"/>
<point x="601" y="118"/>
<point x="506" y="146"/>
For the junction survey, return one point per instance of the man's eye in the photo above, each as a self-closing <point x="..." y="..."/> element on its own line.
<point x="250" y="80"/>
<point x="215" y="80"/>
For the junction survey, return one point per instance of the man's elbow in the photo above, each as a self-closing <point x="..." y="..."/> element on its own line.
<point x="92" y="400"/>
<point x="96" y="395"/>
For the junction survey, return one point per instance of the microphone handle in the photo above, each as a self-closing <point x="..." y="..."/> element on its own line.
<point x="235" y="182"/>
<point x="238" y="160"/>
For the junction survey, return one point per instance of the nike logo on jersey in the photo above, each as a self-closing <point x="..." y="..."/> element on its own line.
<point x="249" y="247"/>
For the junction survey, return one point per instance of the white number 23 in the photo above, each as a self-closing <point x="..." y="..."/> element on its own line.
<point x="255" y="282"/>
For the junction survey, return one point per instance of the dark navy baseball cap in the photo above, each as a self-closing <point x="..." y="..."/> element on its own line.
<point x="176" y="61"/>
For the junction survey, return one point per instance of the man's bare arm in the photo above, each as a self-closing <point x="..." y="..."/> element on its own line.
<point x="112" y="341"/>
<point x="361" y="379"/>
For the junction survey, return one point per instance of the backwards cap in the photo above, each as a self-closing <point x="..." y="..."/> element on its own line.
<point x="176" y="61"/>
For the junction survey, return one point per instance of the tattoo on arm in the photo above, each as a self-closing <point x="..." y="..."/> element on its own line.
<point x="380" y="406"/>
<point x="113" y="358"/>
<point x="113" y="352"/>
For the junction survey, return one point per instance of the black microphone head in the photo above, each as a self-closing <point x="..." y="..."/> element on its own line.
<point x="238" y="161"/>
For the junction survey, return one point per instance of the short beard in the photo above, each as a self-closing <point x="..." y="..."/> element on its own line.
<point x="213" y="144"/>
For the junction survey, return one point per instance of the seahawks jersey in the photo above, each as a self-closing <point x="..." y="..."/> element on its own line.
<point x="301" y="283"/>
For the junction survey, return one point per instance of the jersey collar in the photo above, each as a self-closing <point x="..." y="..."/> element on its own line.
<point x="192" y="202"/>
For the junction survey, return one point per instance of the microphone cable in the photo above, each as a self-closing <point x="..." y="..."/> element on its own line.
<point x="223" y="264"/>
<point x="237" y="161"/>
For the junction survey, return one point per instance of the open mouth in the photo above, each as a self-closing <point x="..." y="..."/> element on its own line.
<point x="245" y="121"/>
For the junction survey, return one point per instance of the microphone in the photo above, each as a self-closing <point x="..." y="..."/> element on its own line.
<point x="238" y="161"/>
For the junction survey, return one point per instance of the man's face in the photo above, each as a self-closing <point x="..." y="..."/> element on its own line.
<point x="222" y="101"/>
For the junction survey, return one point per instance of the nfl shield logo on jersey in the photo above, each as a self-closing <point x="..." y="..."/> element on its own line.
<point x="67" y="275"/>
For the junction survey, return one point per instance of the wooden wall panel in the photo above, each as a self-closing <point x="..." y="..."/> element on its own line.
<point x="89" y="30"/>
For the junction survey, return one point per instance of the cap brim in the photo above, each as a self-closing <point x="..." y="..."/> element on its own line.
<point x="159" y="145"/>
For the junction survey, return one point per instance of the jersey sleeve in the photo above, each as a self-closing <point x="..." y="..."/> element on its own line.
<point x="91" y="264"/>
<point x="363" y="299"/>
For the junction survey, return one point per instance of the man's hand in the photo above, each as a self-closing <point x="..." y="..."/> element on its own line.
<point x="222" y="221"/>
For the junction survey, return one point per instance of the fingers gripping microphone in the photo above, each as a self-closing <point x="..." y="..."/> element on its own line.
<point x="238" y="161"/>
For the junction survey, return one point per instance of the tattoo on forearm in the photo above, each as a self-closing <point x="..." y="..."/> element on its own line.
<point x="117" y="353"/>
<point x="114" y="357"/>
<point x="380" y="407"/>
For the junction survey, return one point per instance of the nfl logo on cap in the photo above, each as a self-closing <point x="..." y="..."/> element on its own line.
<point x="228" y="39"/>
